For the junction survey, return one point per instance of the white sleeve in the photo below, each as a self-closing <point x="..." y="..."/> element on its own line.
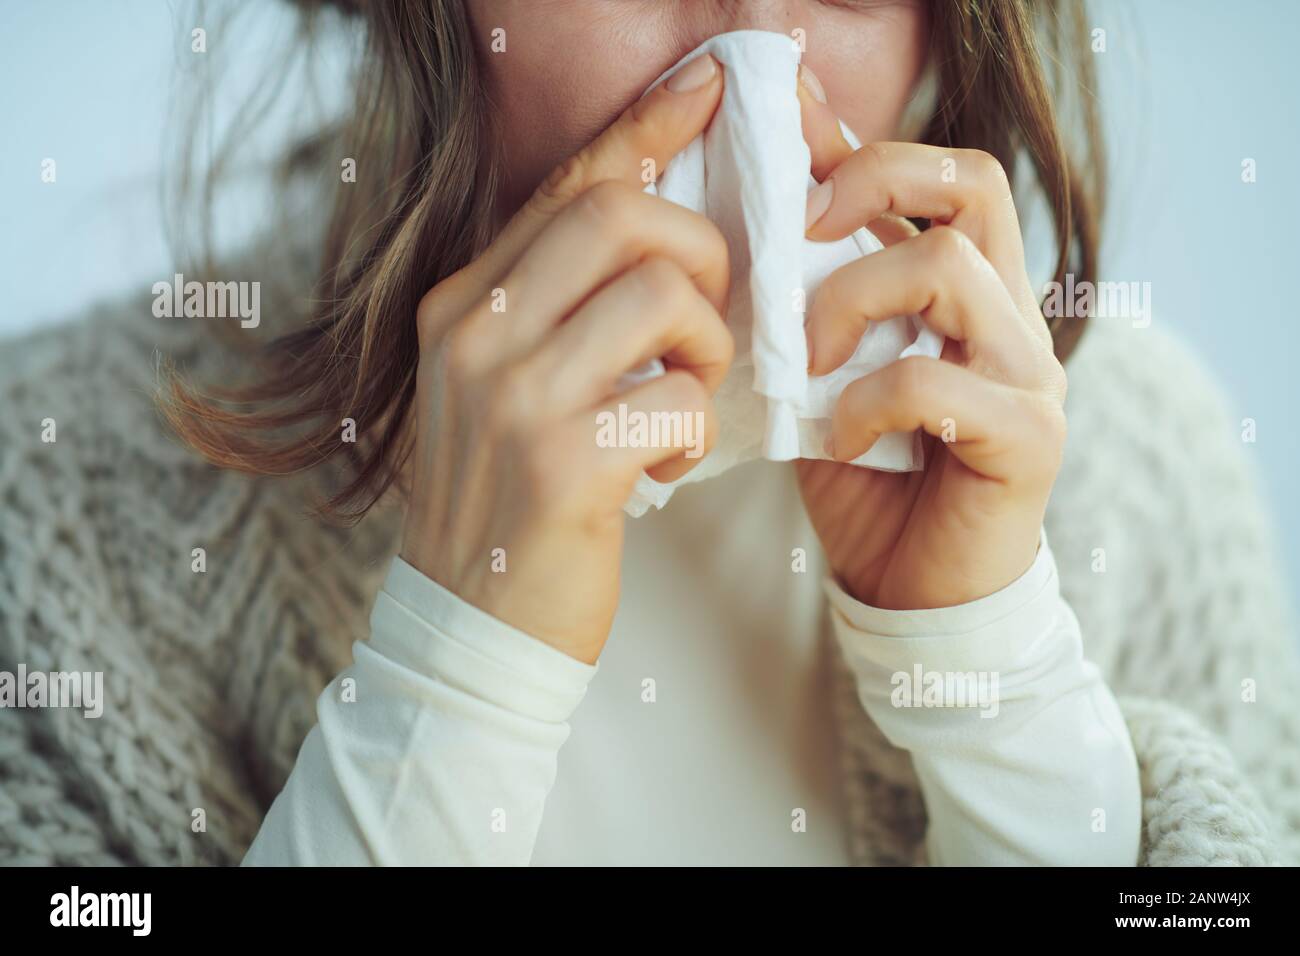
<point x="1019" y="746"/>
<point x="437" y="746"/>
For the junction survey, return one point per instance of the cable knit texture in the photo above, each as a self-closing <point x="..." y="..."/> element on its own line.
<point x="211" y="678"/>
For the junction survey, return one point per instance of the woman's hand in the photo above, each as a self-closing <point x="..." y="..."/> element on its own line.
<point x="968" y="525"/>
<point x="521" y="350"/>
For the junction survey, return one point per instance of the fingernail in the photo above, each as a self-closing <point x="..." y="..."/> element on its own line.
<point x="828" y="446"/>
<point x="693" y="75"/>
<point x="810" y="83"/>
<point x="819" y="200"/>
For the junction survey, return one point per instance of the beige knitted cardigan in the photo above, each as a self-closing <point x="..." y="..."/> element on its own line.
<point x="211" y="677"/>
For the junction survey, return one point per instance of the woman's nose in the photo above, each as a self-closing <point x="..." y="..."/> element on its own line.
<point x="706" y="18"/>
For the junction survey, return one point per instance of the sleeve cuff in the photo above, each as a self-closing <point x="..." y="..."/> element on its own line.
<point x="419" y="624"/>
<point x="1000" y="627"/>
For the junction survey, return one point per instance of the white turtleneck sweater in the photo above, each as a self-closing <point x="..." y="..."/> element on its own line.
<point x="704" y="735"/>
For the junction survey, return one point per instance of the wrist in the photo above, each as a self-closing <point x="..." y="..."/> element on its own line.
<point x="949" y="568"/>
<point x="950" y="619"/>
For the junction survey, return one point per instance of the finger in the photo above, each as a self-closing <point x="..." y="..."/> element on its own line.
<point x="821" y="127"/>
<point x="995" y="430"/>
<point x="828" y="148"/>
<point x="942" y="277"/>
<point x="647" y="134"/>
<point x="963" y="188"/>
<point x="651" y="311"/>
<point x="663" y="427"/>
<point x="891" y="229"/>
<point x="609" y="229"/>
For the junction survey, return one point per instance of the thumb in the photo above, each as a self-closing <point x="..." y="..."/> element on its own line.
<point x="821" y="127"/>
<point x="644" y="138"/>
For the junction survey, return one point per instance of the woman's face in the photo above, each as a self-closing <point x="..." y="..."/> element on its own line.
<point x="571" y="66"/>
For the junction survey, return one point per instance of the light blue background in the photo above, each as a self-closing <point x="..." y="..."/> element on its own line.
<point x="1189" y="88"/>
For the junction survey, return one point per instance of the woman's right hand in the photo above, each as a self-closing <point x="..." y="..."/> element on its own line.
<point x="521" y="349"/>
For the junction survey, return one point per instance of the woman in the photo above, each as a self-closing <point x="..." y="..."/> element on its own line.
<point x="744" y="712"/>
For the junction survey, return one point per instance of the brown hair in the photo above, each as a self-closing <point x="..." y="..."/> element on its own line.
<point x="1014" y="78"/>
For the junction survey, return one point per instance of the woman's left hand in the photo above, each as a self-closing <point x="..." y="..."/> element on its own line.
<point x="991" y="407"/>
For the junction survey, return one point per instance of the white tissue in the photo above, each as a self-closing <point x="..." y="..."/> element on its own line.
<point x="749" y="173"/>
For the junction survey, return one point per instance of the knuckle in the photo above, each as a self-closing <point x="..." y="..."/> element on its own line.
<point x="949" y="247"/>
<point x="1058" y="382"/>
<point x="1051" y="416"/>
<point x="1042" y="330"/>
<point x="715" y="242"/>
<point x="665" y="283"/>
<point x="645" y="122"/>
<point x="719" y="252"/>
<point x="1058" y="425"/>
<point x="872" y="175"/>
<point x="874" y="155"/>
<point x="726" y="342"/>
<point x="1050" y="429"/>
<point x="988" y="171"/>
<point x="563" y="184"/>
<point x="686" y="392"/>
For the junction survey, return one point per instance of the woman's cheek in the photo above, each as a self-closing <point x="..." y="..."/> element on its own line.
<point x="870" y="68"/>
<point x="549" y="104"/>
